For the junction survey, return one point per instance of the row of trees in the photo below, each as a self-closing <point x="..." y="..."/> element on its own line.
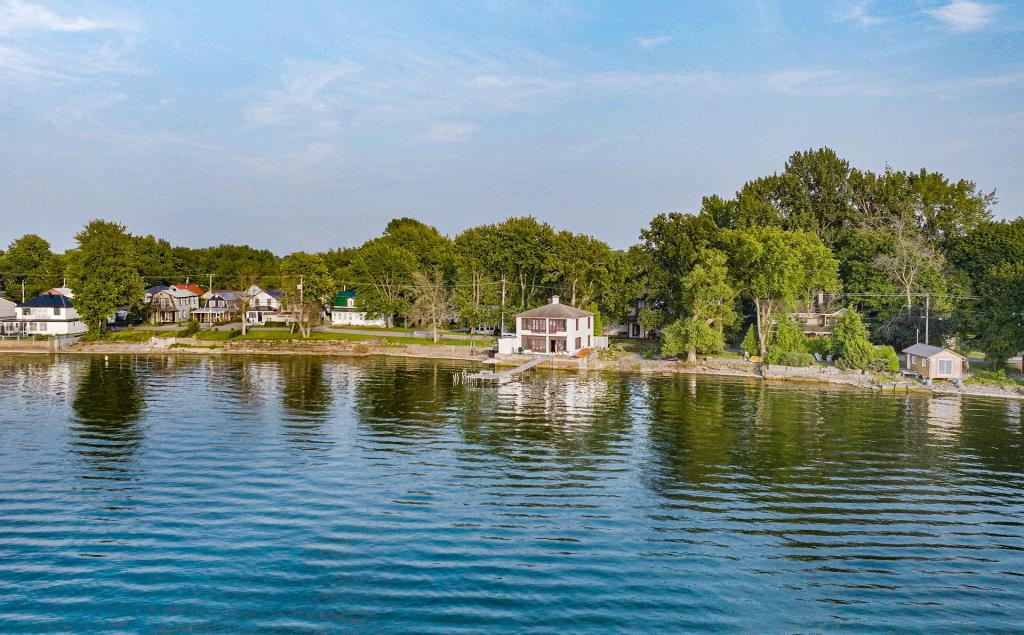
<point x="892" y="242"/>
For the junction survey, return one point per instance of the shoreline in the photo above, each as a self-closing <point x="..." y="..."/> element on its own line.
<point x="720" y="367"/>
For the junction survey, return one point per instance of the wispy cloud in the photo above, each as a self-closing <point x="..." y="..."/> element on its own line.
<point x="965" y="15"/>
<point x="41" y="45"/>
<point x="858" y="13"/>
<point x="653" y="41"/>
<point x="452" y="131"/>
<point x="302" y="93"/>
<point x="16" y="15"/>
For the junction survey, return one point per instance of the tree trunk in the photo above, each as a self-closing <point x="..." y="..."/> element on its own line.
<point x="761" y="339"/>
<point x="691" y="356"/>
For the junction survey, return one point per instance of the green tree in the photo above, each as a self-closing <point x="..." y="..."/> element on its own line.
<point x="787" y="343"/>
<point x="850" y="344"/>
<point x="103" y="272"/>
<point x="29" y="261"/>
<point x="777" y="268"/>
<point x="707" y="301"/>
<point x="308" y="271"/>
<point x="432" y="304"/>
<point x="1001" y="332"/>
<point x="381" y="272"/>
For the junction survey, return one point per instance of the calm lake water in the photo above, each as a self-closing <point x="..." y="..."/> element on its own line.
<point x="171" y="494"/>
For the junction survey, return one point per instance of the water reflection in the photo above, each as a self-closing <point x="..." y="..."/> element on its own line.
<point x="107" y="405"/>
<point x="307" y="399"/>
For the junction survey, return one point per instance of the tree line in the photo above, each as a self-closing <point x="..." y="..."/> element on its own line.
<point x="894" y="243"/>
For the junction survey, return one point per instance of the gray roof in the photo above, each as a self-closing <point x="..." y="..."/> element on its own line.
<point x="555" y="311"/>
<point x="925" y="350"/>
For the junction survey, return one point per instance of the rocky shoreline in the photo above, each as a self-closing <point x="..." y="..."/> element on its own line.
<point x="624" y="363"/>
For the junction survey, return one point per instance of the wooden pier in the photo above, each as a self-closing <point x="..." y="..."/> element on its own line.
<point x="500" y="377"/>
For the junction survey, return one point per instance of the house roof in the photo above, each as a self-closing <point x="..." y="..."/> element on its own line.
<point x="225" y="294"/>
<point x="341" y="298"/>
<point x="62" y="291"/>
<point x="191" y="286"/>
<point x="925" y="350"/>
<point x="156" y="287"/>
<point x="48" y="301"/>
<point x="555" y="310"/>
<point x="178" y="293"/>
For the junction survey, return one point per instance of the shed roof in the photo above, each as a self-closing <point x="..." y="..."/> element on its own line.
<point x="555" y="310"/>
<point x="926" y="350"/>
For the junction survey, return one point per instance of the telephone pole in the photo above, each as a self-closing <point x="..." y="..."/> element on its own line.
<point x="927" y="310"/>
<point x="23" y="291"/>
<point x="502" y="304"/>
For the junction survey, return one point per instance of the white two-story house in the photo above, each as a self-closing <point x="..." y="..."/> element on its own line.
<point x="346" y="312"/>
<point x="552" y="329"/>
<point x="48" y="314"/>
<point x="264" y="306"/>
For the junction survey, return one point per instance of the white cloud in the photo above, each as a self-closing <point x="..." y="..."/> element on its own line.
<point x="452" y="131"/>
<point x="651" y="42"/>
<point x="16" y="15"/>
<point x="302" y="93"/>
<point x="858" y="13"/>
<point x="964" y="15"/>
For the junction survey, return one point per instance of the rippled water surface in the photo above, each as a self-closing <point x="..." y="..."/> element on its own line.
<point x="170" y="494"/>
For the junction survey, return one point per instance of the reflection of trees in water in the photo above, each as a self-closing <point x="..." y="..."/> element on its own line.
<point x="306" y="398"/>
<point x="108" y="403"/>
<point x="707" y="430"/>
<point x="993" y="431"/>
<point x="406" y="398"/>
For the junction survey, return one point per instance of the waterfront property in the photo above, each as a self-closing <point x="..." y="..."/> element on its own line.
<point x="220" y="306"/>
<point x="50" y="313"/>
<point x="264" y="306"/>
<point x="632" y="328"/>
<point x="172" y="305"/>
<point x="934" y="362"/>
<point x="551" y="329"/>
<point x="346" y="312"/>
<point x="147" y="295"/>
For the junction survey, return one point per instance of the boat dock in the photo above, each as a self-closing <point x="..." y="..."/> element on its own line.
<point x="500" y="377"/>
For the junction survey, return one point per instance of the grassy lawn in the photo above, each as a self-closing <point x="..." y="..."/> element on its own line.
<point x="352" y="337"/>
<point x="136" y="335"/>
<point x="213" y="336"/>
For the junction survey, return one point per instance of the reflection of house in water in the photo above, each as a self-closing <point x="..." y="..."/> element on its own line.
<point x="945" y="415"/>
<point x="570" y="400"/>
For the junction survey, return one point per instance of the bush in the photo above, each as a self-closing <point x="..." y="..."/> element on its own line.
<point x="788" y="338"/>
<point x="884" y="359"/>
<point x="750" y="341"/>
<point x="190" y="330"/>
<point x="795" y="358"/>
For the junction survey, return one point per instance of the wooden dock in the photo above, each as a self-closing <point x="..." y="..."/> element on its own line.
<point x="501" y="377"/>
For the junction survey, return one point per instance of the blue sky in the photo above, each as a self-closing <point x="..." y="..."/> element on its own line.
<point x="308" y="125"/>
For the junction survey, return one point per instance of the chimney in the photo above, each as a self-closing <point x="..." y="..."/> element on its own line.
<point x="554" y="299"/>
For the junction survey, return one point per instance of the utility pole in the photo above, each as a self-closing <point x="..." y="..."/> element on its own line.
<point x="503" y="304"/>
<point x="927" y="309"/>
<point x="209" y="287"/>
<point x="302" y="305"/>
<point x="23" y="291"/>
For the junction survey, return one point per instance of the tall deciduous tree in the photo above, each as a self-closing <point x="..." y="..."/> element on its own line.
<point x="707" y="299"/>
<point x="28" y="261"/>
<point x="777" y="268"/>
<point x="381" y="272"/>
<point x="432" y="304"/>
<point x="103" y="272"/>
<point x="317" y="287"/>
<point x="1001" y="333"/>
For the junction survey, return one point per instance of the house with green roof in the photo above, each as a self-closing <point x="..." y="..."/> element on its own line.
<point x="346" y="312"/>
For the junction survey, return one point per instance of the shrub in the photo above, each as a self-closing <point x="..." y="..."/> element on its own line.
<point x="750" y="341"/>
<point x="191" y="329"/>
<point x="796" y="358"/>
<point x="884" y="359"/>
<point x="788" y="338"/>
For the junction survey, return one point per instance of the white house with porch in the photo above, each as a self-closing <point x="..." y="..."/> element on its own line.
<point x="552" y="329"/>
<point x="51" y="313"/>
